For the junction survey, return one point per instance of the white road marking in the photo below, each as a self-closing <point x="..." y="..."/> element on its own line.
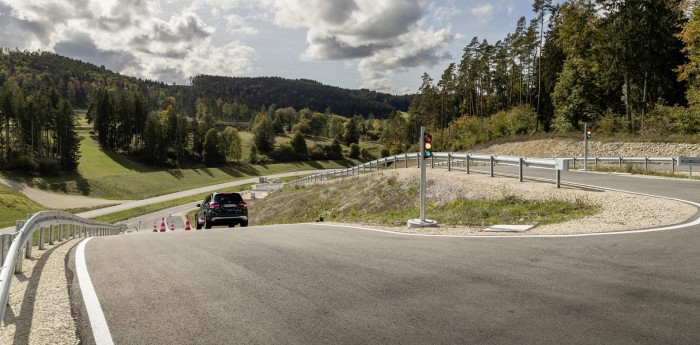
<point x="100" y="330"/>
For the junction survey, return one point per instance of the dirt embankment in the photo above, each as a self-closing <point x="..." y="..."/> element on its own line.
<point x="574" y="148"/>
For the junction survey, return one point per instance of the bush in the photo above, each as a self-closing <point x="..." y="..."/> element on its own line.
<point x="286" y="153"/>
<point x="49" y="165"/>
<point x="354" y="151"/>
<point x="23" y="162"/>
<point x="610" y="124"/>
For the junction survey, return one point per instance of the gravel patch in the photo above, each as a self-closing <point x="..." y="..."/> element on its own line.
<point x="618" y="211"/>
<point x="39" y="310"/>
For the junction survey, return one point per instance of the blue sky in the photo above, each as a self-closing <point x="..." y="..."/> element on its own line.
<point x="383" y="45"/>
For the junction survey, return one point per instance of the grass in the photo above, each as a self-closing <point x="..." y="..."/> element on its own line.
<point x="631" y="169"/>
<point x="139" y="211"/>
<point x="15" y="206"/>
<point x="110" y="176"/>
<point x="388" y="201"/>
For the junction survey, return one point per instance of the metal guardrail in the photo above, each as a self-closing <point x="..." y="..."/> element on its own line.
<point x="49" y="224"/>
<point x="467" y="160"/>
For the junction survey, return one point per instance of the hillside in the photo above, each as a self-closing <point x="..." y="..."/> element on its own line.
<point x="571" y="148"/>
<point x="77" y="80"/>
<point x="299" y="94"/>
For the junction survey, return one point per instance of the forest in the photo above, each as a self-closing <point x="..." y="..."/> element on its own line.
<point x="622" y="67"/>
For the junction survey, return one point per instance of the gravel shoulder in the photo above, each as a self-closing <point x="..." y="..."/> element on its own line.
<point x="39" y="310"/>
<point x="619" y="211"/>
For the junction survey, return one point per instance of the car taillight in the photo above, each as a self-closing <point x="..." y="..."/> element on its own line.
<point x="213" y="206"/>
<point x="242" y="204"/>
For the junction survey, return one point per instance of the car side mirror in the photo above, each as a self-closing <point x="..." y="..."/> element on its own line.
<point x="199" y="205"/>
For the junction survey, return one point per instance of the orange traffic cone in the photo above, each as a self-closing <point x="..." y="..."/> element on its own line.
<point x="155" y="226"/>
<point x="172" y="224"/>
<point x="162" y="224"/>
<point x="187" y="223"/>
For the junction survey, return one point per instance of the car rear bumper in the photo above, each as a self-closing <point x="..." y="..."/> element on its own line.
<point x="228" y="219"/>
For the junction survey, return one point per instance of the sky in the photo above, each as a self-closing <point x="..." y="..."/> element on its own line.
<point x="381" y="45"/>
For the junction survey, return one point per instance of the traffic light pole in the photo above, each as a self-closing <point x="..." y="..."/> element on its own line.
<point x="422" y="175"/>
<point x="422" y="222"/>
<point x="585" y="146"/>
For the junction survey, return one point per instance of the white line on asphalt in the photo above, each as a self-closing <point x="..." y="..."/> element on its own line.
<point x="100" y="330"/>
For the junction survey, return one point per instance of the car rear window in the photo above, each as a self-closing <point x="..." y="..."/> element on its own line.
<point x="227" y="198"/>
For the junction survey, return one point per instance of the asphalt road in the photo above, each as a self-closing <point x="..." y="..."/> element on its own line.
<point x="317" y="284"/>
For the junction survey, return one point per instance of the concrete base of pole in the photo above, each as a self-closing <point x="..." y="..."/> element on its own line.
<point x="417" y="223"/>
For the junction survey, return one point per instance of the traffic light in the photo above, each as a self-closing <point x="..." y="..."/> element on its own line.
<point x="588" y="132"/>
<point x="427" y="145"/>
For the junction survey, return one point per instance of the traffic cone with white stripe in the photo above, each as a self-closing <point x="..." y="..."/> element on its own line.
<point x="172" y="224"/>
<point x="155" y="226"/>
<point x="187" y="223"/>
<point x="162" y="224"/>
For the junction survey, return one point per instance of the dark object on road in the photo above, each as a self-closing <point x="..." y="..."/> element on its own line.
<point x="222" y="209"/>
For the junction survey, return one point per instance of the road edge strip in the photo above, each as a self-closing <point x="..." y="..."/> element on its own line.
<point x="98" y="323"/>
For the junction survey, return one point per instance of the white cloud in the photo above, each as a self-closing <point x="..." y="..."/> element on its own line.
<point x="172" y="40"/>
<point x="483" y="10"/>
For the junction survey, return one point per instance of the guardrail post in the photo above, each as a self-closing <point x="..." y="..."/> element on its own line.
<point x="405" y="157"/>
<point x="491" y="159"/>
<point x="558" y="178"/>
<point x="60" y="233"/>
<point x="28" y="248"/>
<point x="42" y="238"/>
<point x="673" y="165"/>
<point x="50" y="234"/>
<point x="646" y="163"/>
<point x="5" y="240"/>
<point x="386" y="164"/>
<point x="449" y="162"/>
<point x="596" y="162"/>
<point x="72" y="227"/>
<point x="520" y="169"/>
<point x="620" y="162"/>
<point x="20" y="263"/>
<point x="432" y="161"/>
<point x="467" y="163"/>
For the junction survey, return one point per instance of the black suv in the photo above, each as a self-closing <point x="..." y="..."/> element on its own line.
<point x="222" y="209"/>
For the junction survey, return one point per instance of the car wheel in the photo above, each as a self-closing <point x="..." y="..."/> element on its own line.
<point x="244" y="223"/>
<point x="207" y="224"/>
<point x="197" y="224"/>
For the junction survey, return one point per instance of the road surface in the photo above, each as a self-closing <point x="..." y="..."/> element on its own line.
<point x="319" y="284"/>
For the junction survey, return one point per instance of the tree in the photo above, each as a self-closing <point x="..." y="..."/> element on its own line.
<point x="641" y="49"/>
<point x="67" y="136"/>
<point x="299" y="145"/>
<point x="231" y="144"/>
<point x="354" y="151"/>
<point x="263" y="137"/>
<point x="212" y="154"/>
<point x="690" y="71"/>
<point x="351" y="134"/>
<point x="540" y="7"/>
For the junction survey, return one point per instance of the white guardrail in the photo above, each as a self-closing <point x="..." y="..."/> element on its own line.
<point x="51" y="226"/>
<point x="466" y="160"/>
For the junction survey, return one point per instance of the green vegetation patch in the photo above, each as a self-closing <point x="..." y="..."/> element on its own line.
<point x="15" y="206"/>
<point x="381" y="200"/>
